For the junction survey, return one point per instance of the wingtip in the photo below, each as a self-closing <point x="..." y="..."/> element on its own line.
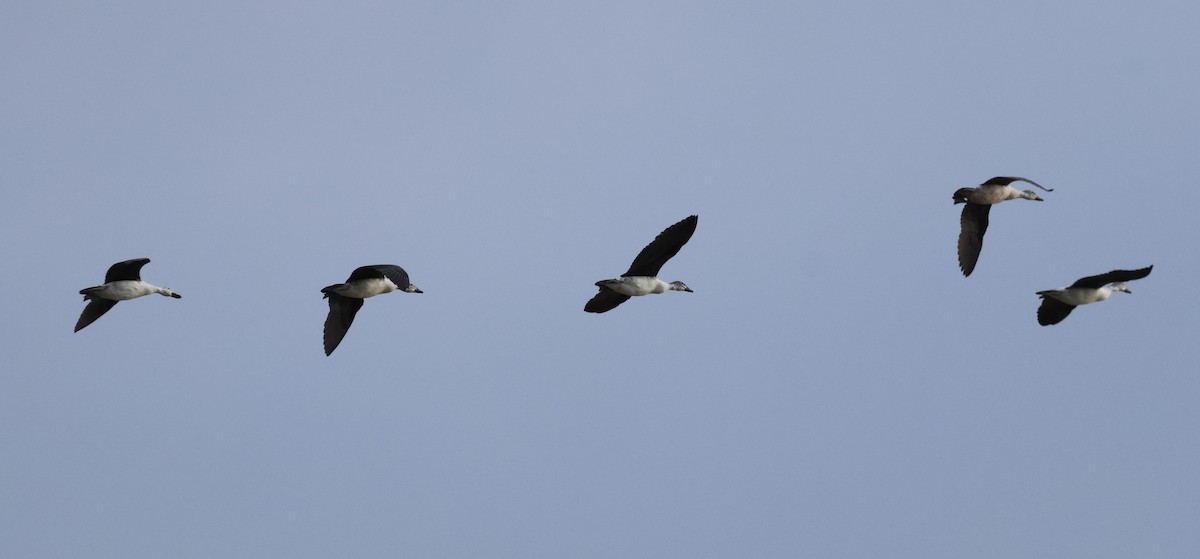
<point x="964" y="268"/>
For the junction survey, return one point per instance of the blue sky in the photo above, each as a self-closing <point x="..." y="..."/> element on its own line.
<point x="833" y="388"/>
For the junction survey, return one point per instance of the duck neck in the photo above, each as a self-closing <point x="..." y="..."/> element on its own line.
<point x="160" y="290"/>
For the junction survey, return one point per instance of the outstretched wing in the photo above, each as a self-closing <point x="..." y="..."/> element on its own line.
<point x="95" y="309"/>
<point x="127" y="270"/>
<point x="1053" y="311"/>
<point x="341" y="314"/>
<point x="662" y="248"/>
<point x="974" y="222"/>
<point x="604" y="301"/>
<point x="389" y="271"/>
<point x="1101" y="280"/>
<point x="1009" y="180"/>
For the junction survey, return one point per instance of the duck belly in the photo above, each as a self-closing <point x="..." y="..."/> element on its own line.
<point x="120" y="290"/>
<point x="362" y="289"/>
<point x="636" y="286"/>
<point x="1077" y="296"/>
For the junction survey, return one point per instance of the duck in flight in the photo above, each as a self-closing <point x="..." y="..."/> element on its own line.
<point x="642" y="277"/>
<point x="346" y="298"/>
<point x="974" y="220"/>
<point x="122" y="283"/>
<point x="1058" y="303"/>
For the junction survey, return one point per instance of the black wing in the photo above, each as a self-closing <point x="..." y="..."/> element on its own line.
<point x="662" y="248"/>
<point x="604" y="301"/>
<point x="974" y="222"/>
<point x="1053" y="311"/>
<point x="389" y="271"/>
<point x="95" y="309"/>
<point x="127" y="270"/>
<point x="1009" y="180"/>
<point x="341" y="315"/>
<point x="1096" y="282"/>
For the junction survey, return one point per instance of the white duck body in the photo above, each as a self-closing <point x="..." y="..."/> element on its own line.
<point x="124" y="290"/>
<point x="636" y="286"/>
<point x="989" y="194"/>
<point x="364" y="288"/>
<point x="1083" y="295"/>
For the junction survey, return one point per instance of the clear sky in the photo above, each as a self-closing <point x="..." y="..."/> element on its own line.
<point x="833" y="388"/>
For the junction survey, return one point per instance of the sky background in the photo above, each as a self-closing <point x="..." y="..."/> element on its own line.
<point x="833" y="388"/>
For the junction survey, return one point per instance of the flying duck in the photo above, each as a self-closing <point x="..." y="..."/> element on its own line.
<point x="1058" y="303"/>
<point x="346" y="298"/>
<point x="122" y="283"/>
<point x="974" y="220"/>
<point x="642" y="277"/>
